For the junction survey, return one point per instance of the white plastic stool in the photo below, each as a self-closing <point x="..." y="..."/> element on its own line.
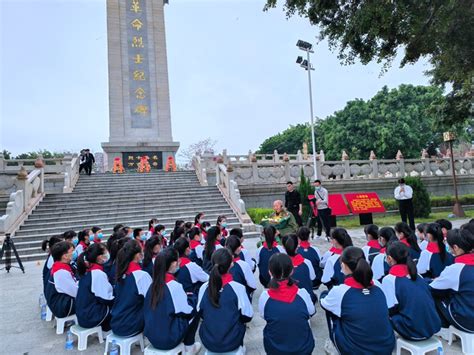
<point x="83" y="333"/>
<point x="49" y="315"/>
<point x="150" y="350"/>
<point x="239" y="351"/>
<point x="418" y="347"/>
<point x="467" y="340"/>
<point x="124" y="342"/>
<point x="60" y="322"/>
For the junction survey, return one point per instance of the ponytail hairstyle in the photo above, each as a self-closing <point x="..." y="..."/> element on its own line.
<point x="233" y="243"/>
<point x="69" y="235"/>
<point x="303" y="233"/>
<point x="291" y="244"/>
<point x="181" y="245"/>
<point x="281" y="268"/>
<point x="204" y="226"/>
<point x="48" y="243"/>
<point x="437" y="234"/>
<point x="402" y="227"/>
<point x="89" y="257"/>
<point x="198" y="217"/>
<point x="220" y="219"/>
<point x="341" y="236"/>
<point x="150" y="244"/>
<point x="162" y="264"/>
<point x="421" y="228"/>
<point x="83" y="236"/>
<point x="159" y="228"/>
<point x="269" y="232"/>
<point x="444" y="223"/>
<point x="211" y="239"/>
<point x="371" y="231"/>
<point x="117" y="228"/>
<point x="401" y="254"/>
<point x="354" y="259"/>
<point x="193" y="232"/>
<point x="59" y="249"/>
<point x="176" y="234"/>
<point x="125" y="256"/>
<point x="116" y="244"/>
<point x="152" y="222"/>
<point x="387" y="234"/>
<point x="221" y="262"/>
<point x="237" y="232"/>
<point x="462" y="238"/>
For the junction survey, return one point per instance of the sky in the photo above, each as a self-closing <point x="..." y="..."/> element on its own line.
<point x="232" y="74"/>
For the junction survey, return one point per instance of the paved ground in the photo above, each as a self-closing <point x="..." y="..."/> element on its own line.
<point x="23" y="332"/>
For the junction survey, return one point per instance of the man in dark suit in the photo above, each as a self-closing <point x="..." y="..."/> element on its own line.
<point x="89" y="157"/>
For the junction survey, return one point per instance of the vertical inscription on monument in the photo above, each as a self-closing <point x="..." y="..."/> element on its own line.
<point x="139" y="83"/>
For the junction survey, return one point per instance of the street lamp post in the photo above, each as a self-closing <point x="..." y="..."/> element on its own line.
<point x="449" y="137"/>
<point x="306" y="64"/>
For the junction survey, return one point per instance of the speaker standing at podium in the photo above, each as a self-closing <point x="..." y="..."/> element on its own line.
<point x="324" y="212"/>
<point x="404" y="195"/>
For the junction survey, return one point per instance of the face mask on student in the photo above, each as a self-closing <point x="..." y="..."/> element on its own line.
<point x="91" y="237"/>
<point x="75" y="241"/>
<point x="74" y="256"/>
<point x="106" y="257"/>
<point x="130" y="235"/>
<point x="224" y="225"/>
<point x="163" y="233"/>
<point x="100" y="235"/>
<point x="318" y="188"/>
<point x="143" y="237"/>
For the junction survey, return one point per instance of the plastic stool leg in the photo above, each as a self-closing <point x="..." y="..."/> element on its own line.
<point x="100" y="335"/>
<point x="82" y="343"/>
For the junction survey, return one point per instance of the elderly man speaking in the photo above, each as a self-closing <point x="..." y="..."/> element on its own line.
<point x="281" y="219"/>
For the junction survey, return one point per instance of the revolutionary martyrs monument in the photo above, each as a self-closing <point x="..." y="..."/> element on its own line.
<point x="139" y="102"/>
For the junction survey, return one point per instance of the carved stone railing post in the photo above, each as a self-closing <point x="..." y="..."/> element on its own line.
<point x="276" y="157"/>
<point x="2" y="162"/>
<point x="225" y="157"/>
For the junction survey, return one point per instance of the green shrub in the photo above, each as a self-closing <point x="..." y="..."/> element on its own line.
<point x="421" y="197"/>
<point x="257" y="214"/>
<point x="305" y="188"/>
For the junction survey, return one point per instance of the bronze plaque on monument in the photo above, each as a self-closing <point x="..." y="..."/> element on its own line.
<point x="132" y="159"/>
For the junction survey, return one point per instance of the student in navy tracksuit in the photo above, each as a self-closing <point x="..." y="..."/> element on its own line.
<point x="95" y="297"/>
<point x="380" y="266"/>
<point x="152" y="248"/>
<point x="303" y="271"/>
<point x="190" y="274"/>
<point x="240" y="270"/>
<point x="434" y="259"/>
<point x="311" y="253"/>
<point x="358" y="318"/>
<point x="212" y="244"/>
<point x="332" y="273"/>
<point x="130" y="290"/>
<point x="83" y="241"/>
<point x="224" y="307"/>
<point x="170" y="318"/>
<point x="287" y="310"/>
<point x="110" y="268"/>
<point x="195" y="237"/>
<point x="454" y="288"/>
<point x="244" y="253"/>
<point x="61" y="289"/>
<point x="372" y="249"/>
<point x="408" y="237"/>
<point x="421" y="235"/>
<point x="268" y="248"/>
<point x="411" y="307"/>
<point x="47" y="245"/>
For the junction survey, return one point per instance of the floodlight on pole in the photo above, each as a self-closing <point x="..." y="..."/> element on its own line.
<point x="306" y="64"/>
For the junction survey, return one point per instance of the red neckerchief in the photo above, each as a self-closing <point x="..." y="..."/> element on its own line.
<point x="152" y="229"/>
<point x="404" y="241"/>
<point x="197" y="225"/>
<point x="467" y="259"/>
<point x="433" y="247"/>
<point x="84" y="245"/>
<point x="226" y="278"/>
<point x="283" y="293"/>
<point x="305" y="244"/>
<point x="169" y="277"/>
<point x="351" y="282"/>
<point x="274" y="245"/>
<point x="194" y="243"/>
<point x="133" y="266"/>
<point x="217" y="242"/>
<point x="382" y="251"/>
<point x="374" y="244"/>
<point x="184" y="261"/>
<point x="96" y="240"/>
<point x="96" y="267"/>
<point x="399" y="270"/>
<point x="297" y="260"/>
<point x="57" y="265"/>
<point x="335" y="250"/>
<point x="141" y="242"/>
<point x="236" y="259"/>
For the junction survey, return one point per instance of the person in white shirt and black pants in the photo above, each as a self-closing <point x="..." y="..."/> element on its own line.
<point x="324" y="212"/>
<point x="404" y="195"/>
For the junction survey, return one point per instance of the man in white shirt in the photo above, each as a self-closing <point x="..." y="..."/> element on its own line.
<point x="404" y="195"/>
<point x="321" y="196"/>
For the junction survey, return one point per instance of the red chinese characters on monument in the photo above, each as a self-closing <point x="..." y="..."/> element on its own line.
<point x="364" y="202"/>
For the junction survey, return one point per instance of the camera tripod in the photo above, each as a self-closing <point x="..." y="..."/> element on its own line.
<point x="7" y="248"/>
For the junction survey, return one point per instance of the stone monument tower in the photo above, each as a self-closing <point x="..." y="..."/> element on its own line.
<point x="139" y="103"/>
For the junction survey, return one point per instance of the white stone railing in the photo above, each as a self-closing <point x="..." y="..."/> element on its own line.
<point x="71" y="174"/>
<point x="200" y="170"/>
<point x="50" y="166"/>
<point x="30" y="191"/>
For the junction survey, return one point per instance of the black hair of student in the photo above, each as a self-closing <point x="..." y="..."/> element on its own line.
<point x="221" y="261"/>
<point x="176" y="234"/>
<point x="125" y="256"/>
<point x="59" y="249"/>
<point x="237" y="232"/>
<point x="150" y="244"/>
<point x="435" y="230"/>
<point x="50" y="242"/>
<point x="269" y="232"/>
<point x="159" y="228"/>
<point x="220" y="219"/>
<point x="162" y="264"/>
<point x="304" y="233"/>
<point x="95" y="229"/>
<point x="136" y="232"/>
<point x="181" y="245"/>
<point x="211" y="238"/>
<point x="471" y="220"/>
<point x="198" y="217"/>
<point x="444" y="223"/>
<point x="205" y="225"/>
<point x="462" y="238"/>
<point x="289" y="182"/>
<point x="152" y="222"/>
<point x="232" y="243"/>
<point x="193" y="232"/>
<point x="342" y="237"/>
<point x="401" y="254"/>
<point x="83" y="235"/>
<point x="354" y="258"/>
<point x="68" y="235"/>
<point x="402" y="227"/>
<point x="281" y="267"/>
<point x="89" y="257"/>
<point x="387" y="234"/>
<point x="317" y="181"/>
<point x="188" y="225"/>
<point x="468" y="226"/>
<point x="372" y="230"/>
<point x="117" y="227"/>
<point x="422" y="227"/>
<point x="115" y="246"/>
<point x="291" y="244"/>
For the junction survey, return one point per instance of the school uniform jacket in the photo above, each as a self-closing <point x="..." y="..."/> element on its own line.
<point x="193" y="244"/>
<point x="190" y="275"/>
<point x="61" y="290"/>
<point x="423" y="244"/>
<point x="328" y="254"/>
<point x="380" y="266"/>
<point x="361" y="324"/>
<point x="459" y="278"/>
<point x="371" y="250"/>
<point x="412" y="309"/>
<point x="430" y="264"/>
<point x="48" y="264"/>
<point x="415" y="255"/>
<point x="242" y="274"/>
<point x="287" y="311"/>
<point x="167" y="323"/>
<point x="94" y="298"/>
<point x="245" y="256"/>
<point x="307" y="251"/>
<point x="223" y="329"/>
<point x="332" y="273"/>
<point x="262" y="257"/>
<point x="148" y="268"/>
<point x="130" y="291"/>
<point x="81" y="247"/>
<point x="303" y="274"/>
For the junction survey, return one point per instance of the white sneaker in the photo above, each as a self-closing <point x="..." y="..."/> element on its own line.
<point x="192" y="349"/>
<point x="443" y="333"/>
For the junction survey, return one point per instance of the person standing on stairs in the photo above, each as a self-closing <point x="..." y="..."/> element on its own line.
<point x="89" y="158"/>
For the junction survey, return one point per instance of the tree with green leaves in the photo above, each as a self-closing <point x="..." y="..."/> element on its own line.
<point x="289" y="141"/>
<point x="440" y="30"/>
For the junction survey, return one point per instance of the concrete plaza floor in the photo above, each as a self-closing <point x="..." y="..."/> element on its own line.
<point x="23" y="332"/>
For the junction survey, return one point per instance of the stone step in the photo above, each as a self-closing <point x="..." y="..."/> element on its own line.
<point x="131" y="184"/>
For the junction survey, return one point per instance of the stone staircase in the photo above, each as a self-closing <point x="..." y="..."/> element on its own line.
<point x="105" y="200"/>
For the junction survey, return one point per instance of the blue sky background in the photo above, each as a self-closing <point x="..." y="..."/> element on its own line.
<point x="232" y="73"/>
